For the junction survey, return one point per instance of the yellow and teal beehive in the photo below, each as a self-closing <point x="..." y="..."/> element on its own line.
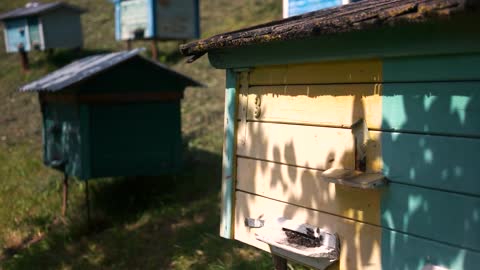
<point x="362" y="121"/>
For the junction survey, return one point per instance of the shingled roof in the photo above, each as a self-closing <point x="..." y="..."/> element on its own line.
<point x="38" y="8"/>
<point x="355" y="16"/>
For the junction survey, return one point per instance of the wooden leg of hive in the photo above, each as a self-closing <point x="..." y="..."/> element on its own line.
<point x="128" y="44"/>
<point x="65" y="195"/>
<point x="87" y="203"/>
<point x="24" y="60"/>
<point x="279" y="263"/>
<point x="154" y="50"/>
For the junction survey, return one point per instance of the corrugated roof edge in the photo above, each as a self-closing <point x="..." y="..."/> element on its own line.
<point x="360" y="15"/>
<point x="43" y="8"/>
<point x="88" y="67"/>
<point x="73" y="73"/>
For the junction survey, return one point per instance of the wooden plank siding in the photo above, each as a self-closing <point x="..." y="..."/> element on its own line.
<point x="360" y="242"/>
<point x="439" y="162"/>
<point x="364" y="246"/>
<point x="294" y="121"/>
<point x="363" y="71"/>
<point x="445" y="108"/>
<point x="403" y="208"/>
<point x="304" y="187"/>
<point x="396" y="69"/>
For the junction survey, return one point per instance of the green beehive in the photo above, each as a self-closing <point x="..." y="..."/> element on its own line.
<point x="115" y="114"/>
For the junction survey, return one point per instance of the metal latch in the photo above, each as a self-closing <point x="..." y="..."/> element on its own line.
<point x="254" y="223"/>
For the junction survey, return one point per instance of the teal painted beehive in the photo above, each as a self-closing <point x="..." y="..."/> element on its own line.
<point x="115" y="114"/>
<point x="43" y="26"/>
<point x="361" y="121"/>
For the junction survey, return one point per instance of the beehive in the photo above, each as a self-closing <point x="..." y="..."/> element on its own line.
<point x="408" y="73"/>
<point x="157" y="19"/>
<point x="115" y="114"/>
<point x="43" y="26"/>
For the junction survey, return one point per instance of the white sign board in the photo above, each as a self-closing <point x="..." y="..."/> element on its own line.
<point x="134" y="18"/>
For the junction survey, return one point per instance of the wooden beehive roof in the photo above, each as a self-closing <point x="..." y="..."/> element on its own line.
<point x="37" y="9"/>
<point x="86" y="68"/>
<point x="355" y="16"/>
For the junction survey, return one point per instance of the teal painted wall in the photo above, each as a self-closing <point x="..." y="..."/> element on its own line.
<point x="135" y="139"/>
<point x="228" y="181"/>
<point x="16" y="34"/>
<point x="138" y="138"/>
<point x="430" y="211"/>
<point x="62" y="137"/>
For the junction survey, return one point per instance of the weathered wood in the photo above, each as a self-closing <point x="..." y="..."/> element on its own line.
<point x="228" y="162"/>
<point x="337" y="72"/>
<point x="154" y="49"/>
<point x="363" y="246"/>
<point x="428" y="164"/>
<point x="24" y="62"/>
<point x="399" y="206"/>
<point x="356" y="16"/>
<point x="441" y="108"/>
<point x="337" y="105"/>
<point x="305" y="187"/>
<point x="305" y="146"/>
<point x="360" y="242"/>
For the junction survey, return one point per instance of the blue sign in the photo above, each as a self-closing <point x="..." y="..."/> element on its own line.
<point x="297" y="7"/>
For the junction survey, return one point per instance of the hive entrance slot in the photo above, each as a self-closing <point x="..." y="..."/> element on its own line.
<point x="300" y="242"/>
<point x="311" y="239"/>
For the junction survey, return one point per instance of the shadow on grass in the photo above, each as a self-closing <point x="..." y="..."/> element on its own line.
<point x="147" y="223"/>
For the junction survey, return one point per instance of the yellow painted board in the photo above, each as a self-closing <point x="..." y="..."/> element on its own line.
<point x="306" y="146"/>
<point x="242" y="95"/>
<point x="362" y="71"/>
<point x="304" y="187"/>
<point x="331" y="105"/>
<point x="360" y="242"/>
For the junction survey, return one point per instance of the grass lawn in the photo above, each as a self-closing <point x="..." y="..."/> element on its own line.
<point x="137" y="223"/>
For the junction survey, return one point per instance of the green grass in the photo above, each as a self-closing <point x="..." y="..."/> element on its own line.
<point x="137" y="223"/>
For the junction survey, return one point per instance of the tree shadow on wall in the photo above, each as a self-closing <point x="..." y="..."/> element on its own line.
<point x="424" y="143"/>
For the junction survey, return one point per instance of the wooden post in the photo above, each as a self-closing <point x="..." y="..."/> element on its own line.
<point x="65" y="195"/>
<point x="154" y="49"/>
<point x="128" y="44"/>
<point x="23" y="58"/>
<point x="279" y="263"/>
<point x="87" y="203"/>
